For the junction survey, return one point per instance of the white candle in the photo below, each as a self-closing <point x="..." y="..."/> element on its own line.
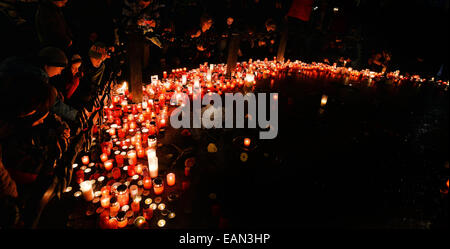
<point x="153" y="166"/>
<point x="88" y="192"/>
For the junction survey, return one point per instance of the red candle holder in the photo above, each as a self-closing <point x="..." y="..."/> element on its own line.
<point x="170" y="179"/>
<point x="147" y="182"/>
<point x="122" y="195"/>
<point x="158" y="186"/>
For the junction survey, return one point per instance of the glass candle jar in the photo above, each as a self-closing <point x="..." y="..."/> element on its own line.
<point x="87" y="189"/>
<point x="131" y="170"/>
<point x="147" y="182"/>
<point x="122" y="195"/>
<point x="85" y="160"/>
<point x="116" y="173"/>
<point x="170" y="179"/>
<point x="104" y="201"/>
<point x="158" y="186"/>
<point x="134" y="190"/>
<point x="106" y="190"/>
<point x="114" y="207"/>
<point x="132" y="160"/>
<point x="119" y="158"/>
<point x="108" y="165"/>
<point x="122" y="219"/>
<point x="147" y="212"/>
<point x="152" y="142"/>
<point x="135" y="205"/>
<point x="103" y="157"/>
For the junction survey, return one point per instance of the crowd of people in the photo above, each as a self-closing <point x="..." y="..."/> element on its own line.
<point x="59" y="55"/>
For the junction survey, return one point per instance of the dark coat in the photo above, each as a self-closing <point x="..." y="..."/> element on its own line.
<point x="51" y="26"/>
<point x="7" y="184"/>
<point x="29" y="152"/>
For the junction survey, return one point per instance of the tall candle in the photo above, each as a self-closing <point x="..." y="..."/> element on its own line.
<point x="88" y="192"/>
<point x="153" y="166"/>
<point x="152" y="142"/>
<point x="171" y="179"/>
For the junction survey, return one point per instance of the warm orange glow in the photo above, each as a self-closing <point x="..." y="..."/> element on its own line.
<point x="247" y="142"/>
<point x="108" y="165"/>
<point x="85" y="160"/>
<point x="103" y="157"/>
<point x="324" y="100"/>
<point x="171" y="179"/>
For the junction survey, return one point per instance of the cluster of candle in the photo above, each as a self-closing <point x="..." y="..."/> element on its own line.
<point x="119" y="180"/>
<point x="133" y="129"/>
<point x="213" y="78"/>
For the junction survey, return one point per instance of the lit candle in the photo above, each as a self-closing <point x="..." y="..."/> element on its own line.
<point x="122" y="219"/>
<point x="106" y="190"/>
<point x="171" y="179"/>
<point x="161" y="223"/>
<point x="153" y="166"/>
<point x="114" y="206"/>
<point x="147" y="182"/>
<point x="135" y="205"/>
<point x="112" y="131"/>
<point x="88" y="192"/>
<point x="158" y="186"/>
<point x="140" y="153"/>
<point x="152" y="142"/>
<point x="139" y="221"/>
<point x="113" y="223"/>
<point x="108" y="165"/>
<point x="103" y="157"/>
<point x="247" y="142"/>
<point x="148" y="213"/>
<point x="132" y="160"/>
<point x="324" y="100"/>
<point x="122" y="195"/>
<point x="85" y="160"/>
<point x="138" y="169"/>
<point x="105" y="201"/>
<point x="134" y="190"/>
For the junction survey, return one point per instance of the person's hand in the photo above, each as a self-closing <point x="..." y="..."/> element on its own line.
<point x="70" y="43"/>
<point x="261" y="43"/>
<point x="272" y="42"/>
